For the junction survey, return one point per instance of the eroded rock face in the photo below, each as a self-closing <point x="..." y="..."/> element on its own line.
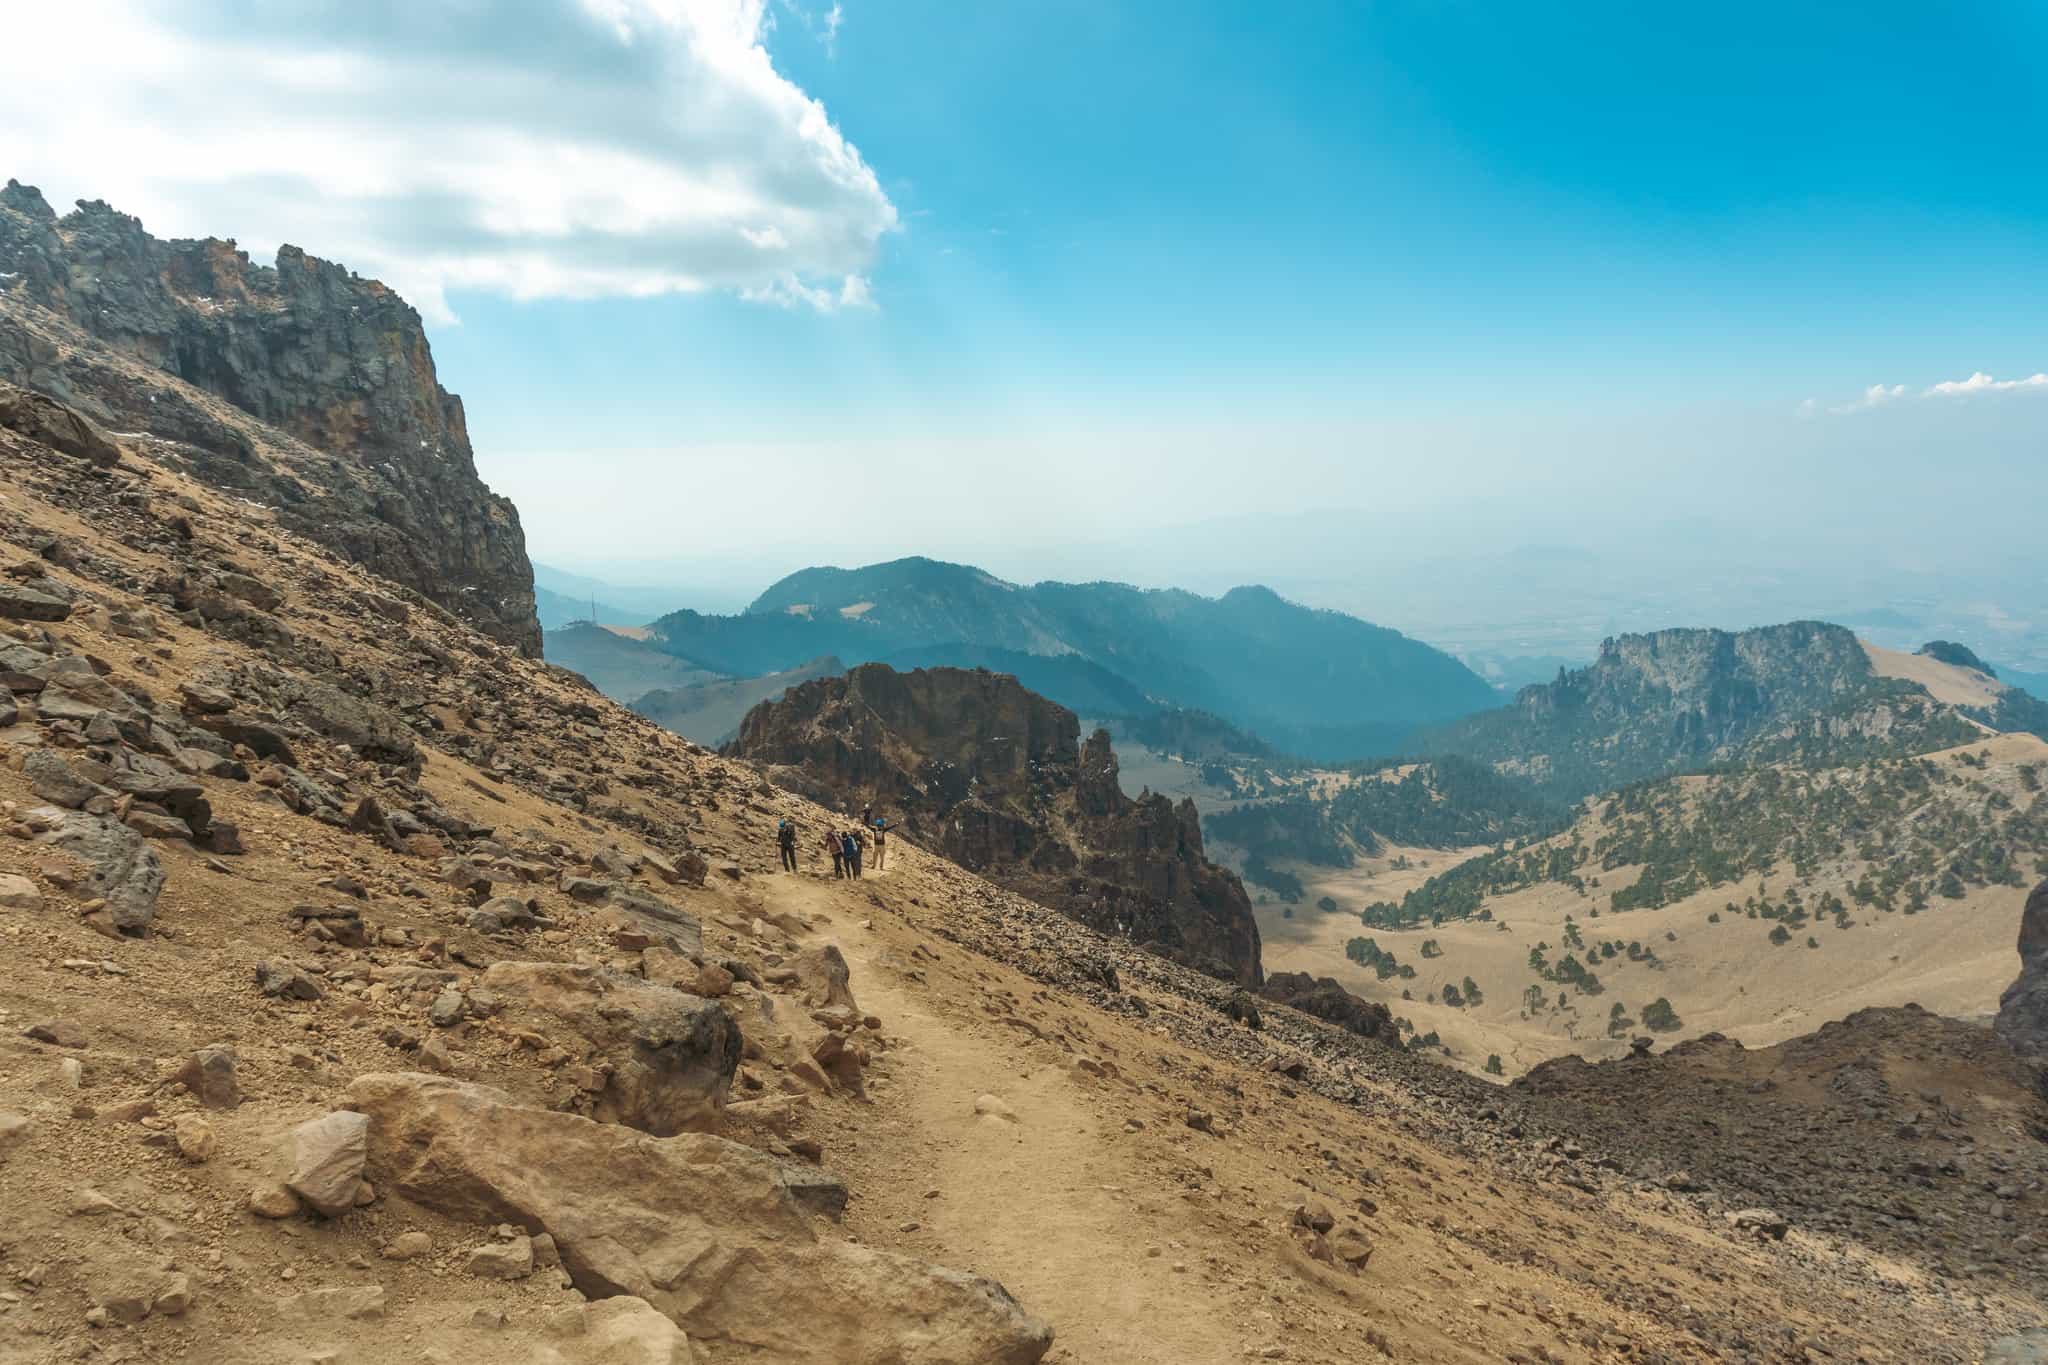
<point x="1325" y="999"/>
<point x="666" y="1059"/>
<point x="981" y="770"/>
<point x="2023" y="1009"/>
<point x="335" y="360"/>
<point x="706" y="1230"/>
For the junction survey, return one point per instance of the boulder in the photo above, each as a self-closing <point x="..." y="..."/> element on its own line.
<point x="55" y="781"/>
<point x="327" y="1161"/>
<point x="43" y="419"/>
<point x="670" y="1056"/>
<point x="126" y="872"/>
<point x="705" y="1230"/>
<point x="618" y="1331"/>
<point x="19" y="893"/>
<point x="2023" y="1009"/>
<point x="209" y="1074"/>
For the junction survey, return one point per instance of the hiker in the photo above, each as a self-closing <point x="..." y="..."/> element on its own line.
<point x="850" y="850"/>
<point x="837" y="850"/>
<point x="881" y="842"/>
<point x="785" y="838"/>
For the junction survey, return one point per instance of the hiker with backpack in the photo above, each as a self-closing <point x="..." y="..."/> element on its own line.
<point x="837" y="849"/>
<point x="850" y="847"/>
<point x="785" y="839"/>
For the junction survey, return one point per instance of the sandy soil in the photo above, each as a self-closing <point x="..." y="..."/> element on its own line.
<point x="1945" y="682"/>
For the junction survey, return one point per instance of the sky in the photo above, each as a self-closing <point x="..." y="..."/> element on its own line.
<point x="1325" y="294"/>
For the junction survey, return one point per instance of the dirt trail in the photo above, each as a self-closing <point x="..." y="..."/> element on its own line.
<point x="1048" y="1194"/>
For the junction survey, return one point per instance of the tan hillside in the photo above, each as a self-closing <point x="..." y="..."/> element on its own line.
<point x="458" y="868"/>
<point x="1945" y="682"/>
<point x="1719" y="969"/>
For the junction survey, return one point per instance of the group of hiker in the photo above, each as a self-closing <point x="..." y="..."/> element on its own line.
<point x="848" y="848"/>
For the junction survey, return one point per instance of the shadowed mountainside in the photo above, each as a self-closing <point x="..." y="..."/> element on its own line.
<point x="99" y="313"/>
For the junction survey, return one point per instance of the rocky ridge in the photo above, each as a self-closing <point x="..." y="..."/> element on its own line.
<point x="2023" y="1009"/>
<point x="97" y="312"/>
<point x="996" y="778"/>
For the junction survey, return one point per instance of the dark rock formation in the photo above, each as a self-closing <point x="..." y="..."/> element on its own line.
<point x="1323" y="998"/>
<point x="2023" y="1009"/>
<point x="91" y="305"/>
<point x="980" y="770"/>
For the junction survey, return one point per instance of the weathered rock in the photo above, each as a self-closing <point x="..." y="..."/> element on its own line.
<point x="19" y="893"/>
<point x="126" y="872"/>
<point x="621" y="1330"/>
<point x="629" y="1211"/>
<point x="407" y="1246"/>
<point x="996" y="778"/>
<point x="174" y="1297"/>
<point x="1760" y="1222"/>
<point x="209" y="1074"/>
<point x="283" y="980"/>
<point x="23" y="603"/>
<point x="273" y="1201"/>
<point x="195" y="1138"/>
<point x="327" y="1161"/>
<point x="42" y="418"/>
<point x="57" y="1033"/>
<point x="348" y="1303"/>
<point x="55" y="781"/>
<point x="338" y="361"/>
<point x="2023" y="1008"/>
<point x="511" y="1260"/>
<point x="671" y="1056"/>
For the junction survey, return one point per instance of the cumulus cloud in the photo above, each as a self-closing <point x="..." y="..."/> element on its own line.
<point x="1981" y="382"/>
<point x="1877" y="395"/>
<point x="535" y="148"/>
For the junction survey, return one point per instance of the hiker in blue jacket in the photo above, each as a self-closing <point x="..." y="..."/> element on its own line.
<point x="851" y="848"/>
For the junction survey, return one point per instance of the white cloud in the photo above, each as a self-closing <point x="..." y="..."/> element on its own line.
<point x="566" y="148"/>
<point x="1981" y="382"/>
<point x="1877" y="395"/>
<point x="833" y="19"/>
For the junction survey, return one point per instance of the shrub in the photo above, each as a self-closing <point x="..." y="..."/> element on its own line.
<point x="1659" y="1017"/>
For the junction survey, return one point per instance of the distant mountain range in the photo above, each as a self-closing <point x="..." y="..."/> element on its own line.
<point x="1318" y="683"/>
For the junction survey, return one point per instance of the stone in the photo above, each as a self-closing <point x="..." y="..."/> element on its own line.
<point x="511" y="1260"/>
<point x="407" y="1246"/>
<point x="22" y="603"/>
<point x="281" y="980"/>
<point x="174" y="1298"/>
<point x="57" y="1033"/>
<point x="19" y="893"/>
<point x="623" y="1330"/>
<point x="546" y="1256"/>
<point x="55" y="781"/>
<point x="1314" y="1216"/>
<point x="327" y="1161"/>
<point x="627" y="1210"/>
<point x="125" y="871"/>
<point x="273" y="1201"/>
<point x="124" y="1305"/>
<point x="669" y="1057"/>
<point x="14" y="1128"/>
<point x="1761" y="1223"/>
<point x="209" y="1074"/>
<point x="446" y="1011"/>
<point x="195" y="1138"/>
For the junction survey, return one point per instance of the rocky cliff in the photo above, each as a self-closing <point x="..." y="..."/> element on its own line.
<point x="372" y="457"/>
<point x="977" y="768"/>
<point x="1681" y="700"/>
<point x="2023" y="1009"/>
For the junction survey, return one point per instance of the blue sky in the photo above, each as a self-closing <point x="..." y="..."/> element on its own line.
<point x="1061" y="279"/>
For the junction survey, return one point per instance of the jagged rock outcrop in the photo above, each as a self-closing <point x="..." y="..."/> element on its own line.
<point x="2023" y="1009"/>
<point x="385" y="474"/>
<point x="987" y="773"/>
<point x="1323" y="998"/>
<point x="1680" y="700"/>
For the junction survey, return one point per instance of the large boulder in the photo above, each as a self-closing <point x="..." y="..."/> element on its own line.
<point x="2023" y="1009"/>
<point x="664" y="1060"/>
<point x="706" y="1230"/>
<point x="126" y="872"/>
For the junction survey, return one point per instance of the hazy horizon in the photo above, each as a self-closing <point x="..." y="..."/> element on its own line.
<point x="1363" y="303"/>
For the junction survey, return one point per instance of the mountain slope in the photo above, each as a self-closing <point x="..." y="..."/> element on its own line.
<point x="618" y="665"/>
<point x="1305" y="680"/>
<point x="710" y="712"/>
<point x="994" y="776"/>
<point x="96" y="311"/>
<point x="1682" y="700"/>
